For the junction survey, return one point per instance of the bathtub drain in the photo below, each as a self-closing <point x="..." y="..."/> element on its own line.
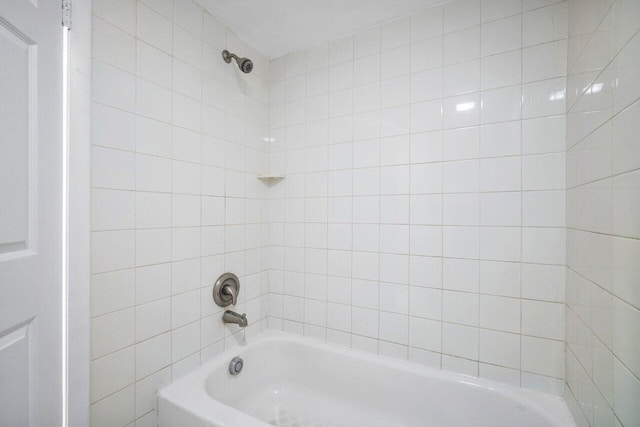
<point x="235" y="367"/>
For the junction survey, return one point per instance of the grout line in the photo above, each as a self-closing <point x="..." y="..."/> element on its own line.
<point x="480" y="169"/>
<point x="442" y="179"/>
<point x="522" y="65"/>
<point x="135" y="239"/>
<point x="377" y="224"/>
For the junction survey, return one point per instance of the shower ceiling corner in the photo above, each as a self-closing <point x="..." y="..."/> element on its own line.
<point x="278" y="27"/>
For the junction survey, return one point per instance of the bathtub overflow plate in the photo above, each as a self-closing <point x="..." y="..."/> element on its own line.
<point x="235" y="367"/>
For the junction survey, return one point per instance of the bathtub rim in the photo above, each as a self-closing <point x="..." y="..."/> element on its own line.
<point x="189" y="393"/>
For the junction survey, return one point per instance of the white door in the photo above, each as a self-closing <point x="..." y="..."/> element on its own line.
<point x="31" y="213"/>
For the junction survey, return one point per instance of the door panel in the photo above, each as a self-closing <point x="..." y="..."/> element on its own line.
<point x="16" y="120"/>
<point x="31" y="241"/>
<point x="14" y="369"/>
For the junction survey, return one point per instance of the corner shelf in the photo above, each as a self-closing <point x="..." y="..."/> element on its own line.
<point x="271" y="179"/>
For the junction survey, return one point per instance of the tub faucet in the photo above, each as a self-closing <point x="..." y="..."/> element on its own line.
<point x="233" y="317"/>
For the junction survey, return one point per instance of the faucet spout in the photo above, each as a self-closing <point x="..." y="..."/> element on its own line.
<point x="233" y="317"/>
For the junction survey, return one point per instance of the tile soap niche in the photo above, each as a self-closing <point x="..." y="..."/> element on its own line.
<point x="271" y="180"/>
<point x="275" y="168"/>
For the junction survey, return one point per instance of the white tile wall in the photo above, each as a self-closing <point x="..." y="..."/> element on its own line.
<point x="177" y="145"/>
<point x="422" y="214"/>
<point x="603" y="250"/>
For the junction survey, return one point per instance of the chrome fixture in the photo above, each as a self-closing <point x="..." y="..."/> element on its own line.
<point x="235" y="367"/>
<point x="226" y="290"/>
<point x="233" y="317"/>
<point x="225" y="293"/>
<point x="245" y="64"/>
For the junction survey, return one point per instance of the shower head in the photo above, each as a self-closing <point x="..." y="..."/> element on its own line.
<point x="245" y="64"/>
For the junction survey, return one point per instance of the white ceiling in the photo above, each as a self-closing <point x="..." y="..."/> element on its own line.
<point x="278" y="27"/>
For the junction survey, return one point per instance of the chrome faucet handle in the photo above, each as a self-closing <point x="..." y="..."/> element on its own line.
<point x="226" y="290"/>
<point x="230" y="291"/>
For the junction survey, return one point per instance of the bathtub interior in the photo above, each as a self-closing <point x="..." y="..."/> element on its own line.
<point x="293" y="382"/>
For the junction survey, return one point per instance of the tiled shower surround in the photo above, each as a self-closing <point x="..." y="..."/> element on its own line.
<point x="423" y="213"/>
<point x="603" y="213"/>
<point x="177" y="146"/>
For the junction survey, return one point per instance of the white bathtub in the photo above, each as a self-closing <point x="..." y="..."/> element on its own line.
<point x="297" y="382"/>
